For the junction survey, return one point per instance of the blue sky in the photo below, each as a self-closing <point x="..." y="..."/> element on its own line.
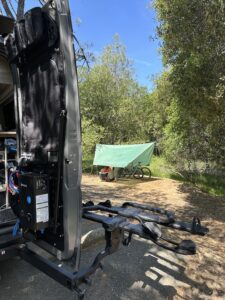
<point x="131" y="19"/>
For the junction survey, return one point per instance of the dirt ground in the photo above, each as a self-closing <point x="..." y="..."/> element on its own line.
<point x="203" y="275"/>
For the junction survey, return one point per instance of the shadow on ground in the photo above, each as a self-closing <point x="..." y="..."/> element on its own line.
<point x="143" y="271"/>
<point x="202" y="204"/>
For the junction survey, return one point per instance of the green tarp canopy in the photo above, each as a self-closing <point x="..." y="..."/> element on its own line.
<point x="122" y="156"/>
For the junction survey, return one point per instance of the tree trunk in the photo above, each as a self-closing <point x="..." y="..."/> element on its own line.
<point x="20" y="10"/>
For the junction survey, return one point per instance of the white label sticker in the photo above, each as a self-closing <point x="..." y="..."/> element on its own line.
<point x="42" y="211"/>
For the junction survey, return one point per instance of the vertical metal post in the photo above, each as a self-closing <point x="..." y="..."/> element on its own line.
<point x="6" y="178"/>
<point x="71" y="182"/>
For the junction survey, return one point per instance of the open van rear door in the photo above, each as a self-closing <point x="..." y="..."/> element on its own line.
<point x="41" y="54"/>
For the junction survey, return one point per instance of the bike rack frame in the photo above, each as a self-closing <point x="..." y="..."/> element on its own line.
<point x="120" y="224"/>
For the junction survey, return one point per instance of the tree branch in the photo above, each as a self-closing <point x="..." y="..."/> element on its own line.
<point x="7" y="9"/>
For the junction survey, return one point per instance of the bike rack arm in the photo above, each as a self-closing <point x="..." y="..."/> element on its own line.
<point x="185" y="247"/>
<point x="147" y="214"/>
<point x="168" y="214"/>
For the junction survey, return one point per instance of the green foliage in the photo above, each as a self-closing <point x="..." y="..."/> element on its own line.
<point x="87" y="163"/>
<point x="158" y="105"/>
<point x="211" y="184"/>
<point x="192" y="35"/>
<point x="91" y="135"/>
<point x="112" y="102"/>
<point x="160" y="167"/>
